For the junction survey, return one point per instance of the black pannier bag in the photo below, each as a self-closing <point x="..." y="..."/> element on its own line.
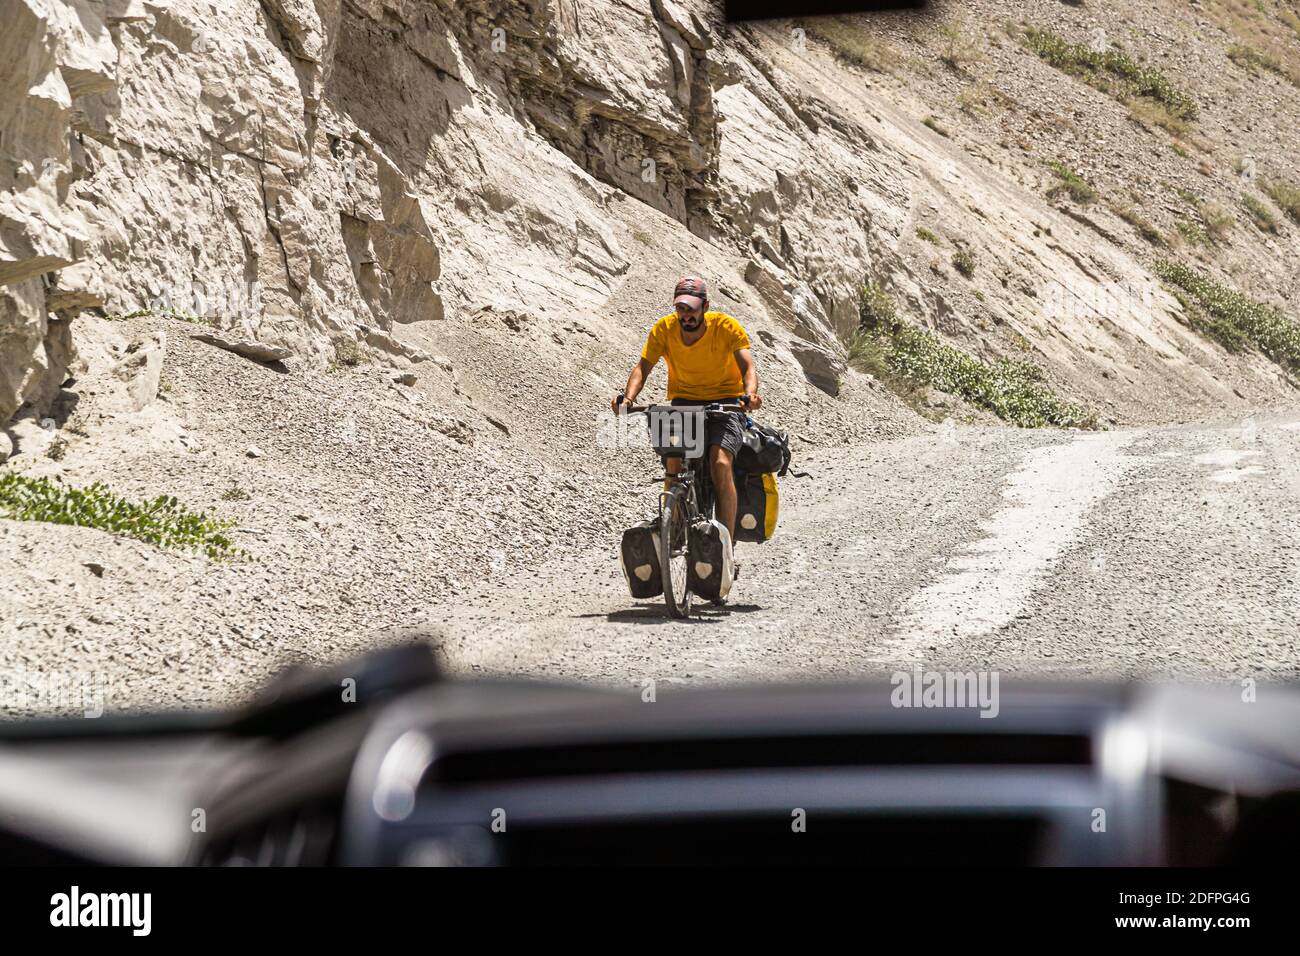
<point x="763" y="450"/>
<point x="708" y="564"/>
<point x="639" y="557"/>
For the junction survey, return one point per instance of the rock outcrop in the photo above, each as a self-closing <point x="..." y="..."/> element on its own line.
<point x="296" y="172"/>
<point x="54" y="57"/>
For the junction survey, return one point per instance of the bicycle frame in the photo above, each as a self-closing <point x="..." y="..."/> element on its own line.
<point x="696" y="474"/>
<point x="699" y="488"/>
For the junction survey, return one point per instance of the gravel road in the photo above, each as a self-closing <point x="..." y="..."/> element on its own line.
<point x="1156" y="552"/>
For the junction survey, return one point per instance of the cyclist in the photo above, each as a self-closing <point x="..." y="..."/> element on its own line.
<point x="708" y="360"/>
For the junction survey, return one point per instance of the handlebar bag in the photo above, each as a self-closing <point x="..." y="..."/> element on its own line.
<point x="677" y="433"/>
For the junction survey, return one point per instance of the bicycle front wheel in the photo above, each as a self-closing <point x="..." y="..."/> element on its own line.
<point x="673" y="518"/>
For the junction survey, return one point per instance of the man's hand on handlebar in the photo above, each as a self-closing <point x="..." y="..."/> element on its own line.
<point x="621" y="403"/>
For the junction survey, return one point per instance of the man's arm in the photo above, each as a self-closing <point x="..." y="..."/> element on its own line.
<point x="635" y="382"/>
<point x="749" y="372"/>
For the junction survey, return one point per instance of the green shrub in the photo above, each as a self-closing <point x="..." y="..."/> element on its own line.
<point x="163" y="521"/>
<point x="960" y="46"/>
<point x="933" y="123"/>
<point x="347" y="352"/>
<point x="1225" y="333"/>
<point x="1113" y="72"/>
<point x="1192" y="232"/>
<point x="1071" y="183"/>
<point x="927" y="235"/>
<point x="963" y="260"/>
<point x="867" y="354"/>
<point x="1013" y="390"/>
<point x="1237" y="316"/>
<point x="909" y="360"/>
<point x="1260" y="214"/>
<point x="876" y="308"/>
<point x="1286" y="195"/>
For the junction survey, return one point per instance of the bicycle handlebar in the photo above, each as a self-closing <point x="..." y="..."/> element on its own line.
<point x="708" y="407"/>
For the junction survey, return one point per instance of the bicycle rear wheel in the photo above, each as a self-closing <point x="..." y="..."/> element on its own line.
<point x="673" y="519"/>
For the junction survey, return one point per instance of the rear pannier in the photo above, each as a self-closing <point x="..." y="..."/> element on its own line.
<point x="763" y="449"/>
<point x="757" y="504"/>
<point x="639" y="556"/>
<point x="708" y="565"/>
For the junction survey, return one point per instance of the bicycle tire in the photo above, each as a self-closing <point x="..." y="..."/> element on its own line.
<point x="673" y="530"/>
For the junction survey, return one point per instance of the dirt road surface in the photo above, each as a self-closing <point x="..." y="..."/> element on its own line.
<point x="1154" y="552"/>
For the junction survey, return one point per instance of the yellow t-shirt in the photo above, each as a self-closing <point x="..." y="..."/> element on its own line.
<point x="706" y="370"/>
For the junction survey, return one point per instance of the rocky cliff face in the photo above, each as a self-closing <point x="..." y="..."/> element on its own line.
<point x="53" y="58"/>
<point x="319" y="174"/>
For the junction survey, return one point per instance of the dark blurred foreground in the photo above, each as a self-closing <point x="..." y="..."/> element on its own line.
<point x="386" y="762"/>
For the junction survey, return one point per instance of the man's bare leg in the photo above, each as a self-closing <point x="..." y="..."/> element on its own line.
<point x="724" y="487"/>
<point x="671" y="467"/>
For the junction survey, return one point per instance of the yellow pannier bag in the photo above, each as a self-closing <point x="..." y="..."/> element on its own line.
<point x="757" y="504"/>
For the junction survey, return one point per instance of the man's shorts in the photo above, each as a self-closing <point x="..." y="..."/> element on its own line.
<point x="721" y="430"/>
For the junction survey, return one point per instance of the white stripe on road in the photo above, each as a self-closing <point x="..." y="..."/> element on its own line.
<point x="1224" y="457"/>
<point x="1229" y="475"/>
<point x="1228" y="459"/>
<point x="990" y="583"/>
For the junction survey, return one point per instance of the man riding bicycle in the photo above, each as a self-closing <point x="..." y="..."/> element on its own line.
<point x="708" y="360"/>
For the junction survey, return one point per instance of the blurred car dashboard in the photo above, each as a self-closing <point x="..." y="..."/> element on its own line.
<point x="385" y="761"/>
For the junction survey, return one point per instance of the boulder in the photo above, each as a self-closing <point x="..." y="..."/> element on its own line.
<point x="28" y="437"/>
<point x="257" y="351"/>
<point x="139" y="373"/>
<point x="821" y="366"/>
